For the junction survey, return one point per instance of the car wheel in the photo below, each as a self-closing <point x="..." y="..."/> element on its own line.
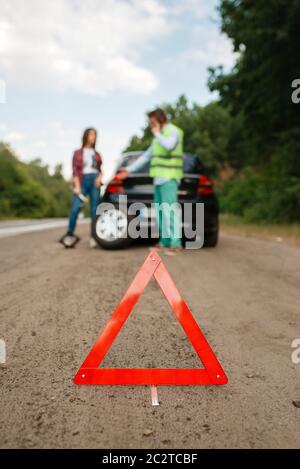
<point x="211" y="239"/>
<point x="110" y="229"/>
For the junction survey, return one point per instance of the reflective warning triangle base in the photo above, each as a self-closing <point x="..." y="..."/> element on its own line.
<point x="211" y="374"/>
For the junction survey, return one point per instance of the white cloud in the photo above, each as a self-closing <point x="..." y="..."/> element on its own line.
<point x="90" y="46"/>
<point x="13" y="136"/>
<point x="197" y="7"/>
<point x="215" y="53"/>
<point x="211" y="48"/>
<point x="3" y="127"/>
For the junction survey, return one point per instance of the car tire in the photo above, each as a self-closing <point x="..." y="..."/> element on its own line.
<point x="211" y="240"/>
<point x="101" y="233"/>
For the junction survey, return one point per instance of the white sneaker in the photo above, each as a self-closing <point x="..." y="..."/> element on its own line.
<point x="69" y="241"/>
<point x="93" y="243"/>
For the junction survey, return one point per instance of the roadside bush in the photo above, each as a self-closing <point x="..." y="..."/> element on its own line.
<point x="29" y="191"/>
<point x="262" y="198"/>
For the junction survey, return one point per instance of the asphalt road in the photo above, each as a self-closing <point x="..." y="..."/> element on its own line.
<point x="54" y="302"/>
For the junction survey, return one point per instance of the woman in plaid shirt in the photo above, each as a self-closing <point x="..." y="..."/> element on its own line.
<point x="87" y="180"/>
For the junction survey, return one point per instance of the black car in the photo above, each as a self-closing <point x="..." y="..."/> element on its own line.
<point x="110" y="227"/>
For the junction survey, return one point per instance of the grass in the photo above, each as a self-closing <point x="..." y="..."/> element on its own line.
<point x="290" y="233"/>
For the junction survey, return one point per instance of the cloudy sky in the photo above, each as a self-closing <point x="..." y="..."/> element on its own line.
<point x="69" y="64"/>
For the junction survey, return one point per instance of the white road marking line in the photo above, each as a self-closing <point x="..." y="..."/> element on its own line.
<point x="32" y="227"/>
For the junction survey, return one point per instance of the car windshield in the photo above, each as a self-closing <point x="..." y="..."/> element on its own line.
<point x="191" y="164"/>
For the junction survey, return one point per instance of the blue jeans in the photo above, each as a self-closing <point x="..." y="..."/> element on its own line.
<point x="87" y="188"/>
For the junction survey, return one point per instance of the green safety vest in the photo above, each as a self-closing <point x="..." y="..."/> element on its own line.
<point x="167" y="164"/>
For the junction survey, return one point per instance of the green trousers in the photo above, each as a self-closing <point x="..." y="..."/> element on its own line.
<point x="167" y="214"/>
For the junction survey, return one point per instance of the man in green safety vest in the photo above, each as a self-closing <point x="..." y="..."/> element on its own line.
<point x="166" y="168"/>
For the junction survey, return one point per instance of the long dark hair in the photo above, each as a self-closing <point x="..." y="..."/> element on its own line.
<point x="86" y="134"/>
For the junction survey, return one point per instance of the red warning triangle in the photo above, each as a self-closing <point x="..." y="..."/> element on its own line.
<point x="212" y="373"/>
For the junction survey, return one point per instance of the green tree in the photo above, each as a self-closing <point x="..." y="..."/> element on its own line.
<point x="28" y="190"/>
<point x="258" y="89"/>
<point x="264" y="137"/>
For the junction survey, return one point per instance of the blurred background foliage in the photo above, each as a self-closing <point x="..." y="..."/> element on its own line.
<point x="29" y="191"/>
<point x="249" y="138"/>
